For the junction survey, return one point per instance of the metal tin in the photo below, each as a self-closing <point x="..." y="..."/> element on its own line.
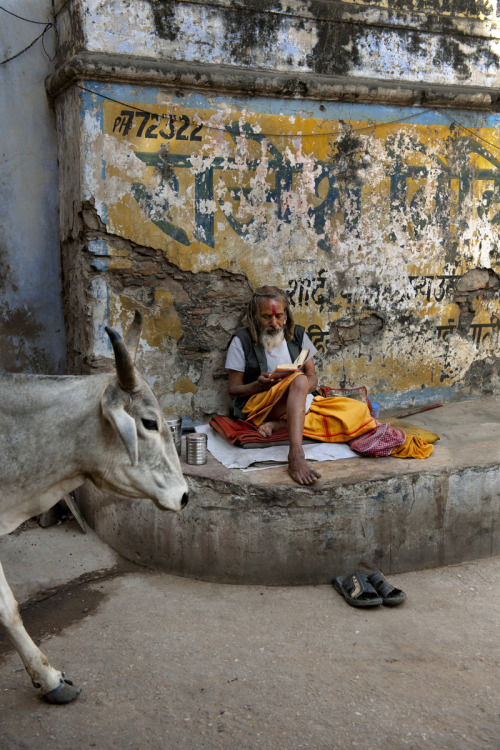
<point x="175" y="425"/>
<point x="196" y="448"/>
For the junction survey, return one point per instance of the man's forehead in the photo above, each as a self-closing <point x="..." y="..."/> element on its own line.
<point x="274" y="306"/>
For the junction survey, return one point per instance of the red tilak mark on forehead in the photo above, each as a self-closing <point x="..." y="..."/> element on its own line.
<point x="273" y="307"/>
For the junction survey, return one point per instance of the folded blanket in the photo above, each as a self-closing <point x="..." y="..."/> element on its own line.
<point x="244" y="434"/>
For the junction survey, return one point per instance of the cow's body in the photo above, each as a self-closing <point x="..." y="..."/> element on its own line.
<point x="56" y="432"/>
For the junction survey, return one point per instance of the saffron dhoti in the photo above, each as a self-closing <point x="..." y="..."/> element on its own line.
<point x="340" y="420"/>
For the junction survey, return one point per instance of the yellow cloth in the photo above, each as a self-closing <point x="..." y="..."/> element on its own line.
<point x="412" y="429"/>
<point x="331" y="420"/>
<point x="337" y="419"/>
<point x="258" y="407"/>
<point x="413" y="447"/>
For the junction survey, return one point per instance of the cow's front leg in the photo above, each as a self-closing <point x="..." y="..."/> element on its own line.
<point x="55" y="689"/>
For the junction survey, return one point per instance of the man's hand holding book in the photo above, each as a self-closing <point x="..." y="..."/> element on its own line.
<point x="281" y="371"/>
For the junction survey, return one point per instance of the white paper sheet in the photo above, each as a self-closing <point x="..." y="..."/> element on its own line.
<point x="233" y="457"/>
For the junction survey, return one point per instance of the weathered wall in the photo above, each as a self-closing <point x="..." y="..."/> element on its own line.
<point x="31" y="320"/>
<point x="199" y="169"/>
<point x="438" y="42"/>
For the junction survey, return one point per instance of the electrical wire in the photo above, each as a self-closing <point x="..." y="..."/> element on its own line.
<point x="263" y="135"/>
<point x="354" y="131"/>
<point x="467" y="130"/>
<point x="21" y="18"/>
<point x="48" y="25"/>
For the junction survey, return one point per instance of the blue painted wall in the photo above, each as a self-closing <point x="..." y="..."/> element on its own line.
<point x="32" y="337"/>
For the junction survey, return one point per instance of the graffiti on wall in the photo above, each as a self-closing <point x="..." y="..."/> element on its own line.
<point x="336" y="186"/>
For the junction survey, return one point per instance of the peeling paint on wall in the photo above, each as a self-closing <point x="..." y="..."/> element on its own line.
<point x="381" y="222"/>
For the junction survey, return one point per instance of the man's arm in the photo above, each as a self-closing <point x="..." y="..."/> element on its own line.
<point x="236" y="386"/>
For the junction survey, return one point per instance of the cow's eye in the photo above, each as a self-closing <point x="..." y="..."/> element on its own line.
<point x="150" y="424"/>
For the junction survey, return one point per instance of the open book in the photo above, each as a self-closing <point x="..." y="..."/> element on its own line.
<point x="281" y="371"/>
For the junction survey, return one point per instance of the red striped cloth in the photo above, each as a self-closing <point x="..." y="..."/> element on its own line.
<point x="239" y="432"/>
<point x="381" y="441"/>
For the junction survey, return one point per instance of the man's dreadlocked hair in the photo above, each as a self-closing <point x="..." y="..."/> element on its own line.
<point x="268" y="292"/>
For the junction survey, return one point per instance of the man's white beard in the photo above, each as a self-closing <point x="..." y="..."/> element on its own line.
<point x="272" y="341"/>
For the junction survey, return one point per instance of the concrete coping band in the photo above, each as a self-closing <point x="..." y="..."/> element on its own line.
<point x="101" y="66"/>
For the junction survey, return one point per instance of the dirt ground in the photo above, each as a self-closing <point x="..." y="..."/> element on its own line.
<point x="166" y="662"/>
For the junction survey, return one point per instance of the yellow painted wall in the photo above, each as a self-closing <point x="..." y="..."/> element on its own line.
<point x="371" y="218"/>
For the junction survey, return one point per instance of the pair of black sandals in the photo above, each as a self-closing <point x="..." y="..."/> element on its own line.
<point x="368" y="590"/>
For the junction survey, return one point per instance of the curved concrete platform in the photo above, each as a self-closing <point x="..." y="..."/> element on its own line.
<point x="261" y="527"/>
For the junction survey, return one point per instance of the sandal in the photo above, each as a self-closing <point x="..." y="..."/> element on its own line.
<point x="390" y="595"/>
<point x="357" y="590"/>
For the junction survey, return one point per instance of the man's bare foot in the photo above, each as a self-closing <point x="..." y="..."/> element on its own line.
<point x="300" y="471"/>
<point x="266" y="429"/>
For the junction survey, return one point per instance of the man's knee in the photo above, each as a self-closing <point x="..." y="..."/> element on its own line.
<point x="300" y="383"/>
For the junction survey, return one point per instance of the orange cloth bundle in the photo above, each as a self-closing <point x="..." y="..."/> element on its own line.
<point x="331" y="420"/>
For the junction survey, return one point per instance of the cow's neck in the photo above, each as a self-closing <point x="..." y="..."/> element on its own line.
<point x="64" y="415"/>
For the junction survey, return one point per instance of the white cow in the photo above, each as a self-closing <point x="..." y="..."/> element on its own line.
<point x="58" y="431"/>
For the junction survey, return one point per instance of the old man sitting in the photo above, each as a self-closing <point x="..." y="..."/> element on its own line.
<point x="271" y="337"/>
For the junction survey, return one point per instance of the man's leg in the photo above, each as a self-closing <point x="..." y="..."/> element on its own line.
<point x="293" y="403"/>
<point x="298" y="468"/>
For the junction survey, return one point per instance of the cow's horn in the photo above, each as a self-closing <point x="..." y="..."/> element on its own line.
<point x="124" y="363"/>
<point x="133" y="335"/>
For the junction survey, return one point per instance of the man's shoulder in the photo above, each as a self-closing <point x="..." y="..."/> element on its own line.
<point x="243" y="335"/>
<point x="239" y="351"/>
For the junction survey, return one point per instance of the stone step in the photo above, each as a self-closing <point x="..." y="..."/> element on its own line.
<point x="261" y="527"/>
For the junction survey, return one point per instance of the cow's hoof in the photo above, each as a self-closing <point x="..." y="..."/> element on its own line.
<point x="65" y="692"/>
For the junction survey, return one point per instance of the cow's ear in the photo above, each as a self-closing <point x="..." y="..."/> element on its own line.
<point x="126" y="429"/>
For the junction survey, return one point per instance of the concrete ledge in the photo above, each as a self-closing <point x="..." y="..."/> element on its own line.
<point x="261" y="527"/>
<point x="100" y="66"/>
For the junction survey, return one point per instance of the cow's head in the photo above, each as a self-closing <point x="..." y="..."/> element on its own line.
<point x="149" y="467"/>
